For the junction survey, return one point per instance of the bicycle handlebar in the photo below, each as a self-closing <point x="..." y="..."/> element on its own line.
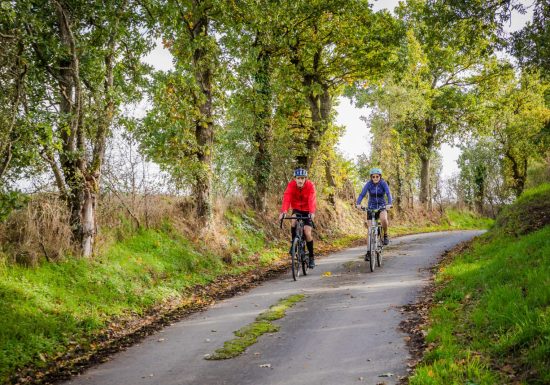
<point x="295" y="217"/>
<point x="375" y="210"/>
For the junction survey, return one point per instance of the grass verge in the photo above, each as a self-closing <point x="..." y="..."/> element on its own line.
<point x="451" y="220"/>
<point x="249" y="334"/>
<point x="491" y="321"/>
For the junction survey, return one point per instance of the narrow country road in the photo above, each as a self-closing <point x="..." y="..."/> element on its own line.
<point x="344" y="332"/>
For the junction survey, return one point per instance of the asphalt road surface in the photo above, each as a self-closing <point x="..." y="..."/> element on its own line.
<point x="344" y="332"/>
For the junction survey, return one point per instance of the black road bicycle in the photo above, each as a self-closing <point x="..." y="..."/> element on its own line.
<point x="299" y="257"/>
<point x="376" y="241"/>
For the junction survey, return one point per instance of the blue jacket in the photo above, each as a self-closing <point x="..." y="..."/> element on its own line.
<point x="376" y="194"/>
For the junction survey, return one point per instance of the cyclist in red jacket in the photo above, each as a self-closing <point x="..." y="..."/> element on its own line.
<point x="300" y="196"/>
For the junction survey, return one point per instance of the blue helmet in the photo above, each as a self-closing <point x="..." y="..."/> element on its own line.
<point x="300" y="172"/>
<point x="375" y="170"/>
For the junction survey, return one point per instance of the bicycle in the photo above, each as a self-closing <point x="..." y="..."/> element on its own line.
<point x="299" y="258"/>
<point x="376" y="242"/>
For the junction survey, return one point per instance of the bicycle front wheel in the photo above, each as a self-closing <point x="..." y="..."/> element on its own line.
<point x="295" y="259"/>
<point x="372" y="250"/>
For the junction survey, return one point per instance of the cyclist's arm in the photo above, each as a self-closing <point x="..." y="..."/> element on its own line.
<point x="388" y="193"/>
<point x="312" y="201"/>
<point x="362" y="195"/>
<point x="286" y="199"/>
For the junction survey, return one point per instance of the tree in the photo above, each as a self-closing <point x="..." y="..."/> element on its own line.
<point x="443" y="58"/>
<point x="84" y="58"/>
<point x="514" y="112"/>
<point x="332" y="44"/>
<point x="179" y="130"/>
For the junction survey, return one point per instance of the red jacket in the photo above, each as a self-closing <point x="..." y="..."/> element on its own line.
<point x="300" y="199"/>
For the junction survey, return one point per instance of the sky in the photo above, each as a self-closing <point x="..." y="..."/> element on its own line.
<point x="355" y="140"/>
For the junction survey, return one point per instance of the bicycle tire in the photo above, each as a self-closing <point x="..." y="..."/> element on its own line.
<point x="372" y="250"/>
<point x="294" y="259"/>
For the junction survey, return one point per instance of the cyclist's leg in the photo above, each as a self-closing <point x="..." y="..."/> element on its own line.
<point x="384" y="221"/>
<point x="309" y="243"/>
<point x="292" y="233"/>
<point x="292" y="229"/>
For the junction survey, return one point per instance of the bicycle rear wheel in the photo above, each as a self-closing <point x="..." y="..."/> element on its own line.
<point x="372" y="250"/>
<point x="295" y="259"/>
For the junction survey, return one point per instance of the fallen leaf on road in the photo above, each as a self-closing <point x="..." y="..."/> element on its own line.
<point x="386" y="375"/>
<point x="327" y="274"/>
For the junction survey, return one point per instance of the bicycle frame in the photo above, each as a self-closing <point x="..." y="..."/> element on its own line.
<point x="299" y="257"/>
<point x="375" y="238"/>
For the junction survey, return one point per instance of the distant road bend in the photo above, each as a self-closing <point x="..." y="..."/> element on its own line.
<point x="344" y="332"/>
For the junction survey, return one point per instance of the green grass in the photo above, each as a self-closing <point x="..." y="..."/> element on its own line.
<point x="249" y="334"/>
<point x="530" y="212"/>
<point x="56" y="305"/>
<point x="493" y="307"/>
<point x="451" y="220"/>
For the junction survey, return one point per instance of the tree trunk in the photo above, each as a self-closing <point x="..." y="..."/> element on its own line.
<point x="320" y="106"/>
<point x="89" y="201"/>
<point x="429" y="130"/>
<point x="204" y="126"/>
<point x="399" y="188"/>
<point x="262" y="133"/>
<point x="81" y="173"/>
<point x="519" y="172"/>
<point x="424" y="179"/>
<point x="330" y="181"/>
<point x="72" y="158"/>
<point x="479" y="181"/>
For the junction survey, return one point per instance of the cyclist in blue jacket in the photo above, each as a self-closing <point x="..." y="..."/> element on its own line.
<point x="377" y="187"/>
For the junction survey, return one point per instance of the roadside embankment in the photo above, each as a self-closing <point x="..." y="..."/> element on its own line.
<point x="490" y="317"/>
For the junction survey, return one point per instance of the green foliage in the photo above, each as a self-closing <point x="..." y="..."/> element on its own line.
<point x="514" y="112"/>
<point x="481" y="180"/>
<point x="10" y="201"/>
<point x="531" y="44"/>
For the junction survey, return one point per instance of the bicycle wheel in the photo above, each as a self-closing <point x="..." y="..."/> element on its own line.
<point x="295" y="259"/>
<point x="372" y="249"/>
<point x="305" y="260"/>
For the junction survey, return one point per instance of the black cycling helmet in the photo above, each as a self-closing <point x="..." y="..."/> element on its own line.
<point x="300" y="172"/>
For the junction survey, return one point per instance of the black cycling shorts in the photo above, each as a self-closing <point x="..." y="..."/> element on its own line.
<point x="305" y="215"/>
<point x="376" y="216"/>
